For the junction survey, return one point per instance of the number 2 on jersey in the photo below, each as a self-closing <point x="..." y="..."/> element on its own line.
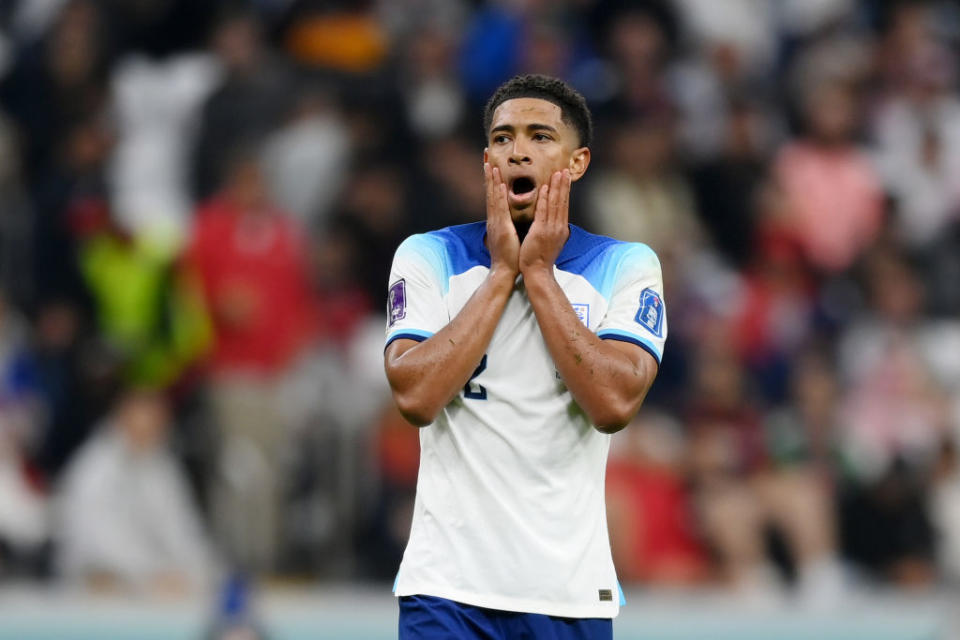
<point x="468" y="391"/>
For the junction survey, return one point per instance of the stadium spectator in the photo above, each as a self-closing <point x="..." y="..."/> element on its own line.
<point x="16" y="220"/>
<point x="55" y="80"/>
<point x="251" y="261"/>
<point x="307" y="158"/>
<point x="376" y="217"/>
<point x="775" y="312"/>
<point x="638" y="41"/>
<point x="24" y="521"/>
<point x="77" y="376"/>
<point x="641" y="196"/>
<point x="125" y="514"/>
<point x="149" y="310"/>
<point x="249" y="103"/>
<point x="156" y="106"/>
<point x="917" y="141"/>
<point x="449" y="194"/>
<point x="649" y="508"/>
<point x="433" y="97"/>
<point x="807" y="471"/>
<point x="71" y="196"/>
<point x="833" y="197"/>
<point x="728" y="185"/>
<point x="740" y="495"/>
<point x="895" y="419"/>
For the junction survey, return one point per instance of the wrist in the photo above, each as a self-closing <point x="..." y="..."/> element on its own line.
<point x="537" y="274"/>
<point x="502" y="276"/>
<point x="537" y="271"/>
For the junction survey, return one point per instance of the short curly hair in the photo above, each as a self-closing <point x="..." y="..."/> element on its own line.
<point x="573" y="107"/>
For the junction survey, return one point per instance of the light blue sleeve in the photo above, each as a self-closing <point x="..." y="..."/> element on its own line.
<point x="636" y="312"/>
<point x="416" y="308"/>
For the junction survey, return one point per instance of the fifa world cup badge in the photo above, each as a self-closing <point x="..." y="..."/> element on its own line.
<point x="397" y="301"/>
<point x="650" y="314"/>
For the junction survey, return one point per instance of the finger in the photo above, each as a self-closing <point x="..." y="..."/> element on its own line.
<point x="541" y="211"/>
<point x="565" y="197"/>
<point x="555" y="195"/>
<point x="493" y="189"/>
<point x="488" y="182"/>
<point x="502" y="209"/>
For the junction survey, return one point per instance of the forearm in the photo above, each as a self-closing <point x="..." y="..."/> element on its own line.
<point x="425" y="377"/>
<point x="605" y="381"/>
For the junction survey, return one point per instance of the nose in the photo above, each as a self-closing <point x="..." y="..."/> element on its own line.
<point x="519" y="153"/>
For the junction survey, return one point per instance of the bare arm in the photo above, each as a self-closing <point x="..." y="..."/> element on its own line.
<point x="608" y="379"/>
<point x="425" y="376"/>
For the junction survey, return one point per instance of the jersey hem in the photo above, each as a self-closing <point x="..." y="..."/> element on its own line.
<point x="419" y="336"/>
<point x="518" y="605"/>
<point x="626" y="337"/>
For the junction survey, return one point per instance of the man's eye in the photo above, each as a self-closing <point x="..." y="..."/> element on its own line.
<point x="499" y="139"/>
<point x="540" y="137"/>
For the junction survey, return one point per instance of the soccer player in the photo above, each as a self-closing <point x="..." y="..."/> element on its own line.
<point x="519" y="345"/>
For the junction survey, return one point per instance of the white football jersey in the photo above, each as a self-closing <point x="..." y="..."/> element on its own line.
<point x="509" y="511"/>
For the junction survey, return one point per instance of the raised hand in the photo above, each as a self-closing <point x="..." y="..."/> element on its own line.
<point x="502" y="240"/>
<point x="549" y="231"/>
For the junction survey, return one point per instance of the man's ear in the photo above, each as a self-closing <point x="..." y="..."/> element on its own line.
<point x="579" y="162"/>
<point x="485" y="155"/>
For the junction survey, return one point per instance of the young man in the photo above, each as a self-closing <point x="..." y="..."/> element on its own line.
<point x="519" y="344"/>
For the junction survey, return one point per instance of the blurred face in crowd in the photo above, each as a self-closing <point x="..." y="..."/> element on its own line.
<point x="636" y="42"/>
<point x="57" y="325"/>
<point x="831" y="114"/>
<point x="73" y="48"/>
<point x="237" y="43"/>
<point x="528" y="141"/>
<point x="895" y="290"/>
<point x="87" y="145"/>
<point x="375" y="195"/>
<point x="246" y="185"/>
<point x="642" y="148"/>
<point x="451" y="162"/>
<point x="718" y="375"/>
<point x="814" y="388"/>
<point x="143" y="416"/>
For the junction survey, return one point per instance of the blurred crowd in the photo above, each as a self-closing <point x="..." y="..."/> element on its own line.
<point x="199" y="204"/>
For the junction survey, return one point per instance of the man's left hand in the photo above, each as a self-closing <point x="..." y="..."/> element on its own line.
<point x="549" y="231"/>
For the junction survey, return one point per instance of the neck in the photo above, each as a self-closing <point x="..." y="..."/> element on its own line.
<point x="522" y="229"/>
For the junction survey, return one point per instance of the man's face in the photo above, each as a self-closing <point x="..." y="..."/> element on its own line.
<point x="528" y="141"/>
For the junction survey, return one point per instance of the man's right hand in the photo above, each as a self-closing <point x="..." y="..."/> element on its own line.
<point x="502" y="240"/>
<point x="425" y="376"/>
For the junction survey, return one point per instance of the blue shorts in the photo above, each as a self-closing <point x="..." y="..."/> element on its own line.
<point x="430" y="618"/>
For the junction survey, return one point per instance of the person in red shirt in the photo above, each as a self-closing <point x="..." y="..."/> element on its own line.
<point x="251" y="260"/>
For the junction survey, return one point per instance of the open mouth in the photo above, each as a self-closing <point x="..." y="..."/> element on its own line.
<point x="522" y="185"/>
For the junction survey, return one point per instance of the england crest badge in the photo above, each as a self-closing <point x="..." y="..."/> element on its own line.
<point x="583" y="312"/>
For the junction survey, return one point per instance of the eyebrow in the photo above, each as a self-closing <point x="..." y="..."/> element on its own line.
<point x="536" y="126"/>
